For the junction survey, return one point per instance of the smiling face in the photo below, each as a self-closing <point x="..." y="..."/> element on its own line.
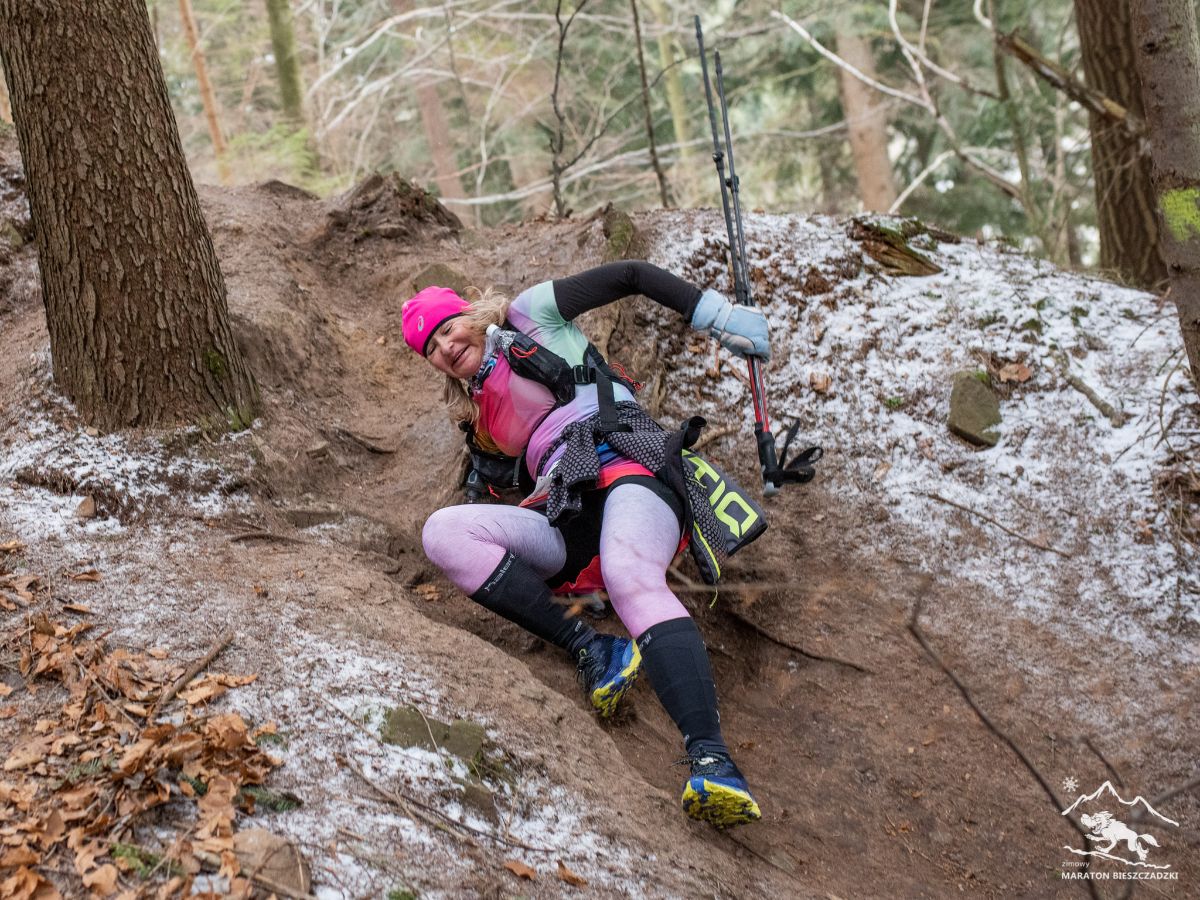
<point x="456" y="349"/>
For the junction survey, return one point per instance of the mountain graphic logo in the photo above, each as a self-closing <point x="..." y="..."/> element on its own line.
<point x="1107" y="831"/>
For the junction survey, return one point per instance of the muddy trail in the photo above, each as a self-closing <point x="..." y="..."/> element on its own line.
<point x="874" y="775"/>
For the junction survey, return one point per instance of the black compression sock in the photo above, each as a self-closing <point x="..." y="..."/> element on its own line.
<point x="515" y="592"/>
<point x="674" y="657"/>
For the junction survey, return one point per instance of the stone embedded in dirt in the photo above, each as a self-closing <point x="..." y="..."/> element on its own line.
<point x="480" y="799"/>
<point x="86" y="508"/>
<point x="272" y="859"/>
<point x="974" y="410"/>
<point x="409" y="727"/>
<point x="317" y="451"/>
<point x="11" y="235"/>
<point x="440" y="275"/>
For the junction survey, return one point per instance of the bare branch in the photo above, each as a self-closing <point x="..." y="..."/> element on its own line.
<point x="916" y="55"/>
<point x="1059" y="78"/>
<point x="841" y="63"/>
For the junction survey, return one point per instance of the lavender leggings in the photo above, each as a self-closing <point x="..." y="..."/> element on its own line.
<point x="638" y="539"/>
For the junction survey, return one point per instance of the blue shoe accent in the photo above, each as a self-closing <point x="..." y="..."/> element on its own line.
<point x="717" y="792"/>
<point x="608" y="667"/>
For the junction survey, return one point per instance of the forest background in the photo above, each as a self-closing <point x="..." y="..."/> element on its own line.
<point x="509" y="110"/>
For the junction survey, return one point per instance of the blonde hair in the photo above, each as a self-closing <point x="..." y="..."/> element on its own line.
<point x="488" y="307"/>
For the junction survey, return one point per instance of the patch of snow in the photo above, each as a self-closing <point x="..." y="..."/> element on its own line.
<point x="46" y="447"/>
<point x="1061" y="474"/>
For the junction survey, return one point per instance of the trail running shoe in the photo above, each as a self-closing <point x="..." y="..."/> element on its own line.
<point x="717" y="793"/>
<point x="608" y="666"/>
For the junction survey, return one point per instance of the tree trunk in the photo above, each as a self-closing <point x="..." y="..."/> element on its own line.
<point x="1125" y="206"/>
<point x="135" y="300"/>
<point x="867" y="123"/>
<point x="207" y="98"/>
<point x="1168" y="64"/>
<point x="437" y="132"/>
<point x="441" y="146"/>
<point x="669" y="57"/>
<point x="287" y="64"/>
<point x="664" y="191"/>
<point x="826" y="150"/>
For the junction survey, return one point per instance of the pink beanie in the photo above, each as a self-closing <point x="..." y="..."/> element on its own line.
<point x="422" y="314"/>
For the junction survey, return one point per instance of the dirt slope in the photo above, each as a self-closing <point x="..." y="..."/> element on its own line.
<point x="875" y="778"/>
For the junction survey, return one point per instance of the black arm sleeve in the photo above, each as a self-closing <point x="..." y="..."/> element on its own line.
<point x="612" y="281"/>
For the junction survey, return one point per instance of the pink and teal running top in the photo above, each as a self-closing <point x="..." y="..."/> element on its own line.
<point x="517" y="414"/>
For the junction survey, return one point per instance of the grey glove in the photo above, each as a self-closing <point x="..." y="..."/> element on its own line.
<point x="740" y="329"/>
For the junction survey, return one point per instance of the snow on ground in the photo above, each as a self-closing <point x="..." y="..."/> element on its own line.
<point x="1061" y="475"/>
<point x="327" y="691"/>
<point x="46" y="447"/>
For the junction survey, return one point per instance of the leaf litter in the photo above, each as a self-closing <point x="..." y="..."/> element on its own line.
<point x="96" y="765"/>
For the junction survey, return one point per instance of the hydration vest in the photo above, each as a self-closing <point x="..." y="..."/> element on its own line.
<point x="740" y="518"/>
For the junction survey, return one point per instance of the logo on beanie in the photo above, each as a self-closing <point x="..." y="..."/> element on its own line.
<point x="420" y="323"/>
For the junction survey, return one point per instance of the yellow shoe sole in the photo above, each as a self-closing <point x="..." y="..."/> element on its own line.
<point x="605" y="699"/>
<point x="719" y="804"/>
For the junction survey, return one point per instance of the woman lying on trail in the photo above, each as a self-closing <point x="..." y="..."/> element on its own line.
<point x="594" y="454"/>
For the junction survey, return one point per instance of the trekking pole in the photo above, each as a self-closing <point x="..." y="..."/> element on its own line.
<point x="776" y="470"/>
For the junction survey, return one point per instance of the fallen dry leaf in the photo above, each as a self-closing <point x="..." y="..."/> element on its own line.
<point x="570" y="877"/>
<point x="25" y="884"/>
<point x="5" y="689"/>
<point x="519" y="869"/>
<point x="7" y="712"/>
<point x="1018" y="372"/>
<point x="820" y="382"/>
<point x="13" y="546"/>
<point x="77" y="608"/>
<point x="53" y="828"/>
<point x="26" y="754"/>
<point x="20" y="856"/>
<point x="103" y="881"/>
<point x="158" y="653"/>
<point x="275" y="859"/>
<point x="85" y="575"/>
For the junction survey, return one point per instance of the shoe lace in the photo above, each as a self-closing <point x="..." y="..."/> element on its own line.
<point x="704" y="763"/>
<point x="589" y="669"/>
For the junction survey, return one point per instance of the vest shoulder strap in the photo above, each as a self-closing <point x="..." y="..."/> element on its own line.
<point x="529" y="359"/>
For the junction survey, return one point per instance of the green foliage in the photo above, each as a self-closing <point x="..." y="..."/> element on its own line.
<point x="282" y="151"/>
<point x="265" y="798"/>
<point x="894" y="402"/>
<point x="272" y="738"/>
<point x="196" y="784"/>
<point x="140" y="862"/>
